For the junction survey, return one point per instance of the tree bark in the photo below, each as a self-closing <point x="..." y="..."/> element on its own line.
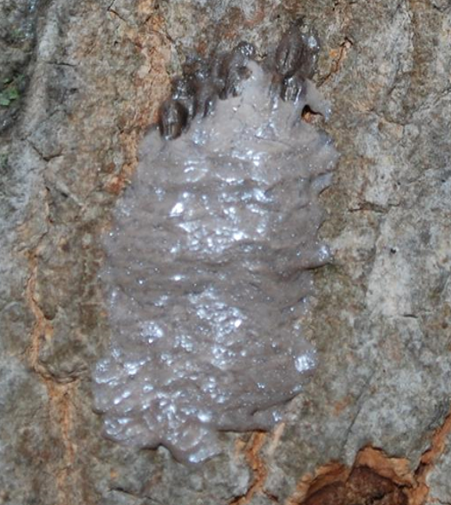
<point x="79" y="84"/>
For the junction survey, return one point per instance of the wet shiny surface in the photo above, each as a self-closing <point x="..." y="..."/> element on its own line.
<point x="207" y="270"/>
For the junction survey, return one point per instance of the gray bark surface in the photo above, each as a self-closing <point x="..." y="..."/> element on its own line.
<point x="79" y="84"/>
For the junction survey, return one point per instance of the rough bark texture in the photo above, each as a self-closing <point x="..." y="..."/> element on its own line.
<point x="79" y="83"/>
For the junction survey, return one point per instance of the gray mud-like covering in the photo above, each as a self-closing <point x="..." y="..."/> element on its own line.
<point x="207" y="271"/>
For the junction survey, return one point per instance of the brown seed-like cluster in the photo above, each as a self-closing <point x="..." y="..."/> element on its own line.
<point x="195" y="93"/>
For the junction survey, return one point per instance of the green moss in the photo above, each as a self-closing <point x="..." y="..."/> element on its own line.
<point x="3" y="160"/>
<point x="9" y="90"/>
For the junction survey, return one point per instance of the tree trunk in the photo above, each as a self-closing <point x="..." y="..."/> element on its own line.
<point x="80" y="83"/>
